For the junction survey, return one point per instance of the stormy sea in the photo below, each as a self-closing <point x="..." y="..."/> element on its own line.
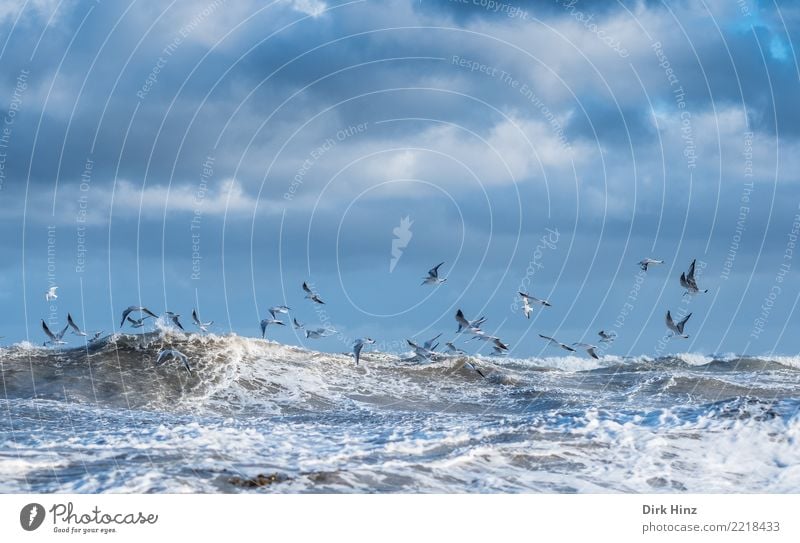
<point x="258" y="416"/>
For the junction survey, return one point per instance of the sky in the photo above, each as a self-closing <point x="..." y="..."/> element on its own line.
<point x="216" y="154"/>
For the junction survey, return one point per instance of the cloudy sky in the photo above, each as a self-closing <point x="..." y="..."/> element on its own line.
<point x="217" y="153"/>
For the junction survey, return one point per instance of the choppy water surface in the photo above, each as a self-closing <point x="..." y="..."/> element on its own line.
<point x="108" y="420"/>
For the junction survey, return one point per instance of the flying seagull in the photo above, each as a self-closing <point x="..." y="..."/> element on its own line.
<point x="317" y="333"/>
<point x="433" y="276"/>
<point x="310" y="295"/>
<point x="606" y="337"/>
<point x="526" y="308"/>
<point x="359" y="344"/>
<point x="51" y="295"/>
<point x="688" y="282"/>
<point x="534" y="299"/>
<point x="95" y="336"/>
<point x="267" y="322"/>
<point x="174" y="318"/>
<point x="297" y="324"/>
<point x="55" y="339"/>
<point x="420" y="351"/>
<point x="175" y="355"/>
<point x="589" y="349"/>
<point x="137" y="323"/>
<point x="647" y="262"/>
<point x="556" y="343"/>
<point x="133" y="308"/>
<point x="203" y="326"/>
<point x="279" y="309"/>
<point x="464" y="324"/>
<point x="75" y="328"/>
<point x="677" y="328"/>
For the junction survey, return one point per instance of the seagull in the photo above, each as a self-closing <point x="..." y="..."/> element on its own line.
<point x="175" y="355"/>
<point x="310" y="295"/>
<point x="528" y="298"/>
<point x="688" y="282"/>
<point x="677" y="328"/>
<point x="429" y="344"/>
<point x="556" y="343"/>
<point x="526" y="308"/>
<point x="483" y="336"/>
<point x="55" y="339"/>
<point x="464" y="324"/>
<point x="647" y="262"/>
<point x="200" y="324"/>
<point x="174" y="318"/>
<point x="267" y="322"/>
<point x="452" y="349"/>
<point x="297" y="324"/>
<point x="96" y="336"/>
<point x="589" y="349"/>
<point x="75" y="328"/>
<point x="420" y="351"/>
<point x="137" y="323"/>
<point x="133" y="308"/>
<point x="317" y="333"/>
<point x="433" y="276"/>
<point x="279" y="309"/>
<point x="607" y="337"/>
<point x="359" y="344"/>
<point x="51" y="295"/>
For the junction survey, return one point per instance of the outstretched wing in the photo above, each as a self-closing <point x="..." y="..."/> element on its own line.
<point x="682" y="323"/>
<point x="434" y="271"/>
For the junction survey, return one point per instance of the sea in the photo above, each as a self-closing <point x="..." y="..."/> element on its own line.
<point x="257" y="416"/>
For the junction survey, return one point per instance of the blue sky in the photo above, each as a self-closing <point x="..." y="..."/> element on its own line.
<point x="286" y="141"/>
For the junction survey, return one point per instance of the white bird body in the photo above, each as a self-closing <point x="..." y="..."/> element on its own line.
<point x="51" y="295"/>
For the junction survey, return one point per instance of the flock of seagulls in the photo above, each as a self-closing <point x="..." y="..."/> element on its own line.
<point x="426" y="351"/>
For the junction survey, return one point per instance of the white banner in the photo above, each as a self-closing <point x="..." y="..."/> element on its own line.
<point x="374" y="518"/>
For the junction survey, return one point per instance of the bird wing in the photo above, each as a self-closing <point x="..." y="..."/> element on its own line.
<point x="305" y="287"/>
<point x="670" y="323"/>
<point x="682" y="323"/>
<point x="434" y="271"/>
<point x="71" y="324"/>
<point x="592" y="353"/>
<point x="690" y="274"/>
<point x="47" y="331"/>
<point x="462" y="322"/>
